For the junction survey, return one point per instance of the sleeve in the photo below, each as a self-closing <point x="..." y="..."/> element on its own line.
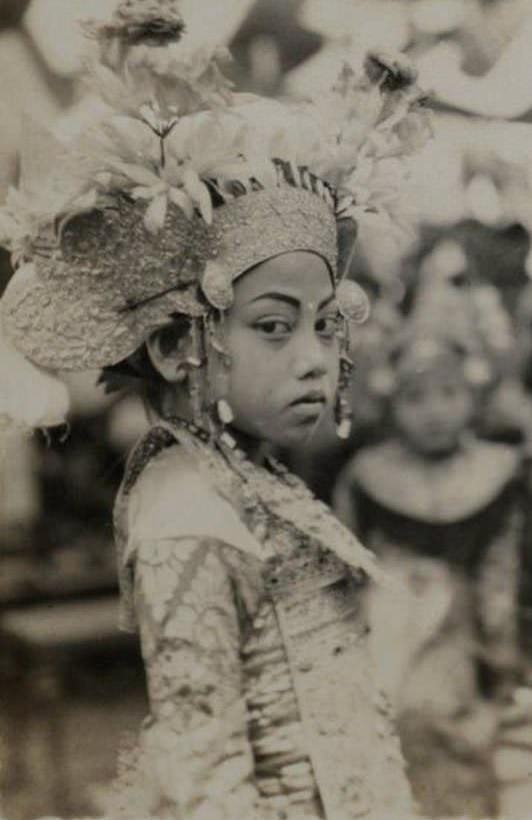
<point x="192" y="598"/>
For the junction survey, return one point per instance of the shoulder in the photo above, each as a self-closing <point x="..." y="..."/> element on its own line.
<point x="173" y="499"/>
<point x="494" y="467"/>
<point x="463" y="488"/>
<point x="497" y="463"/>
<point x="379" y="465"/>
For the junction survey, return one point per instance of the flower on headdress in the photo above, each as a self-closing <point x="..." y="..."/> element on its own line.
<point x="391" y="72"/>
<point x="172" y="88"/>
<point x="158" y="22"/>
<point x="196" y="149"/>
<point x="373" y="121"/>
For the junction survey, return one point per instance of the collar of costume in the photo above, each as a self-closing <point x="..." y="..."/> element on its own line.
<point x="268" y="500"/>
<point x="180" y="185"/>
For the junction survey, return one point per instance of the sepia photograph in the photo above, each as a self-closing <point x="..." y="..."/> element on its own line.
<point x="265" y="409"/>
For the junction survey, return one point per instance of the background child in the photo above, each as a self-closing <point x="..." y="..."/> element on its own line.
<point x="443" y="509"/>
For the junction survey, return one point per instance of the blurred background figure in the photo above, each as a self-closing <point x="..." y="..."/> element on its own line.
<point x="68" y="676"/>
<point x="490" y="80"/>
<point x="445" y="512"/>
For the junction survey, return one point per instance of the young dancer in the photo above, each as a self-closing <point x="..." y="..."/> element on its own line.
<point x="194" y="240"/>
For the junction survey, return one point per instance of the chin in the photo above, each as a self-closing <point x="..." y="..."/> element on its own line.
<point x="440" y="450"/>
<point x="297" y="436"/>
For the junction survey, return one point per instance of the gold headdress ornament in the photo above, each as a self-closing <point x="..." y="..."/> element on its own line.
<point x="182" y="185"/>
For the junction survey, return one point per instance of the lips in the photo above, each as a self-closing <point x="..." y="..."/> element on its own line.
<point x="312" y="398"/>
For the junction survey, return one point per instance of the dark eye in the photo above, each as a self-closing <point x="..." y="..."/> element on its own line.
<point x="274" y="328"/>
<point x="327" y="326"/>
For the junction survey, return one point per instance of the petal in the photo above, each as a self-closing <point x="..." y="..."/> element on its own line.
<point x="199" y="193"/>
<point x="140" y="175"/>
<point x="192" y="183"/>
<point x="143" y="192"/>
<point x="156" y="214"/>
<point x="205" y="204"/>
<point x="180" y="198"/>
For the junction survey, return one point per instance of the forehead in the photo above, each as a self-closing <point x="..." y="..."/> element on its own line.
<point x="442" y="375"/>
<point x="300" y="274"/>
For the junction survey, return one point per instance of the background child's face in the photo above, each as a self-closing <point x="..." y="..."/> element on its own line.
<point x="432" y="409"/>
<point x="281" y="335"/>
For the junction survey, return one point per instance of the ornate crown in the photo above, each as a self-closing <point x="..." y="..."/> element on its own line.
<point x="182" y="184"/>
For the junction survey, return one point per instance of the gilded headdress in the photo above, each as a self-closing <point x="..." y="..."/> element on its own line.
<point x="181" y="185"/>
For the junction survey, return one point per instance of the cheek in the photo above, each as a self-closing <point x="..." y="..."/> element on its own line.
<point x="405" y="417"/>
<point x="464" y="411"/>
<point x="250" y="378"/>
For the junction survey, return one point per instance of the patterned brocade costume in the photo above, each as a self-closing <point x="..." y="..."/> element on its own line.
<point x="263" y="699"/>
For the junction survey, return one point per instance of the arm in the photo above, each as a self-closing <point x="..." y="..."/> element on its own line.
<point x="189" y="603"/>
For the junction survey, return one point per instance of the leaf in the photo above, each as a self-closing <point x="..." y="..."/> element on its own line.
<point x="192" y="183"/>
<point x="205" y="204"/>
<point x="180" y="198"/>
<point x="156" y="214"/>
<point x="150" y="191"/>
<point x="86" y="201"/>
<point x="140" y="175"/>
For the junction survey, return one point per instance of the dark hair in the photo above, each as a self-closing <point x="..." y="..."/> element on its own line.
<point x="137" y="374"/>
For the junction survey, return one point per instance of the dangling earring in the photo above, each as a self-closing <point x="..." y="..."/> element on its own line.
<point x="342" y="411"/>
<point x="343" y="417"/>
<point x="225" y="412"/>
<point x="195" y="374"/>
<point x="220" y="360"/>
<point x="354" y="307"/>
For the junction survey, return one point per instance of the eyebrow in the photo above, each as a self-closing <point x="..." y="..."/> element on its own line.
<point x="291" y="300"/>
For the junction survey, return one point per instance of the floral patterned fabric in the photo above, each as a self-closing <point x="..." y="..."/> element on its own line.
<point x="262" y="697"/>
<point x="190" y="627"/>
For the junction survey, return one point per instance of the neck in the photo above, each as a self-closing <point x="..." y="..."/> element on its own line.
<point x="437" y="456"/>
<point x="256" y="450"/>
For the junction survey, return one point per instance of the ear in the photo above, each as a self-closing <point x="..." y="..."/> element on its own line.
<point x="168" y="358"/>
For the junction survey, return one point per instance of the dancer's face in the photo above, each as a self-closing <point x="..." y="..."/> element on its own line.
<point x="281" y="335"/>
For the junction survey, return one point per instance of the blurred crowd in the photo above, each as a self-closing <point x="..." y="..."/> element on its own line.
<point x="437" y="474"/>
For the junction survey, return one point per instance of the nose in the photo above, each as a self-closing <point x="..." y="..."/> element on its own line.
<point x="309" y="357"/>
